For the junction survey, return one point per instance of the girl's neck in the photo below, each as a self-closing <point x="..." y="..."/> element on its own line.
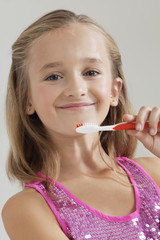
<point x="80" y="160"/>
<point x="82" y="155"/>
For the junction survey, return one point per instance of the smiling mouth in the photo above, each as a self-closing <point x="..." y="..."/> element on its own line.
<point x="76" y="106"/>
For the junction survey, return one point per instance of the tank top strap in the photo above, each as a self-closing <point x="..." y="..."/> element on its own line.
<point x="141" y="177"/>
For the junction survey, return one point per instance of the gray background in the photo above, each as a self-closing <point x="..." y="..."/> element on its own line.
<point x="134" y="24"/>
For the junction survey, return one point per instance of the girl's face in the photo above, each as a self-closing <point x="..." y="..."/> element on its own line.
<point x="70" y="79"/>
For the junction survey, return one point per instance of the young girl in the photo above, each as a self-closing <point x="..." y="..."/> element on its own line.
<point x="67" y="70"/>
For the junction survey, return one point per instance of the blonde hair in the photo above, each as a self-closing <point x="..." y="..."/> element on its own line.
<point x="30" y="148"/>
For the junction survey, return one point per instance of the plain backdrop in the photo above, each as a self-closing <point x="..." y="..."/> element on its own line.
<point x="135" y="26"/>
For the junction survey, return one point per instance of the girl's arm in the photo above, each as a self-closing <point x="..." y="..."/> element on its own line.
<point x="149" y="138"/>
<point x="27" y="216"/>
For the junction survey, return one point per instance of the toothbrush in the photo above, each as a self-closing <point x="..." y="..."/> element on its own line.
<point x="92" y="127"/>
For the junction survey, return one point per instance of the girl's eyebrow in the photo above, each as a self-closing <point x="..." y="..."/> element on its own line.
<point x="51" y="65"/>
<point x="57" y="64"/>
<point x="93" y="60"/>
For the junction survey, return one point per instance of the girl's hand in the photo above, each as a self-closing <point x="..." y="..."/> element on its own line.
<point x="150" y="138"/>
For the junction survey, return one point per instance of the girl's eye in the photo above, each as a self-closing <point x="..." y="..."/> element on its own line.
<point x="92" y="73"/>
<point x="53" y="77"/>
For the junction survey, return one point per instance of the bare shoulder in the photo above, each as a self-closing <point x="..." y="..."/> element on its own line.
<point x="26" y="215"/>
<point x="151" y="165"/>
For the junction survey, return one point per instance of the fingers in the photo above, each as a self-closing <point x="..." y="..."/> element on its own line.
<point x="129" y="118"/>
<point x="153" y="120"/>
<point x="142" y="117"/>
<point x="148" y="114"/>
<point x="150" y="138"/>
<point x="145" y="114"/>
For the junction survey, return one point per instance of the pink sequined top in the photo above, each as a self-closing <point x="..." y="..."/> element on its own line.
<point x="80" y="222"/>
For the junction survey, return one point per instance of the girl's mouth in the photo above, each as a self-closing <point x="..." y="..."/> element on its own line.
<point x="76" y="106"/>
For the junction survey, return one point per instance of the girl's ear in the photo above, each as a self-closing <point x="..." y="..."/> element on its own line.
<point x="115" y="91"/>
<point x="30" y="109"/>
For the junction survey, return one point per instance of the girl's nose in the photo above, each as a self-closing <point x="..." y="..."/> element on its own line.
<point x="76" y="87"/>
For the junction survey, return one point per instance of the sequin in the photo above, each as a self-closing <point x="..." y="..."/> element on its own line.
<point x="87" y="236"/>
<point x="80" y="222"/>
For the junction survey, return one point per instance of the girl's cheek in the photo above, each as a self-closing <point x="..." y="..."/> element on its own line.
<point x="42" y="97"/>
<point x="104" y="91"/>
<point x="46" y="93"/>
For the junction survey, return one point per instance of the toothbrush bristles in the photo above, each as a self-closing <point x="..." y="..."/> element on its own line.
<point x="79" y="125"/>
<point x="85" y="124"/>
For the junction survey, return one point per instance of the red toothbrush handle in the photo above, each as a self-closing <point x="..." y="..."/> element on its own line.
<point x="131" y="126"/>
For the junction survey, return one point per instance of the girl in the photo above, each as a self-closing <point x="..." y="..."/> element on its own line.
<point x="67" y="70"/>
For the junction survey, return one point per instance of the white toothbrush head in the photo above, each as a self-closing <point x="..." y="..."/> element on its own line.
<point x="87" y="128"/>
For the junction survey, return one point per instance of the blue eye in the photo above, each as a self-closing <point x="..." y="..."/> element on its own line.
<point x="53" y="77"/>
<point x="92" y="73"/>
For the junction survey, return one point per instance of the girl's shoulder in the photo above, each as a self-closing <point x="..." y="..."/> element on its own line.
<point x="151" y="165"/>
<point x="26" y="213"/>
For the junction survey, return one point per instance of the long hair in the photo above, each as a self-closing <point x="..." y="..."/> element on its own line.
<point x="30" y="147"/>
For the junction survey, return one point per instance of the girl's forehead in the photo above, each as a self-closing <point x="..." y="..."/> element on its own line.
<point x="73" y="33"/>
<point x="74" y="41"/>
